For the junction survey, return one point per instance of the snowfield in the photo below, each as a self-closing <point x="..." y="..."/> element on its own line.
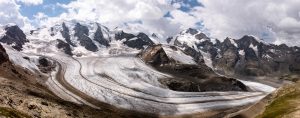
<point x="178" y="55"/>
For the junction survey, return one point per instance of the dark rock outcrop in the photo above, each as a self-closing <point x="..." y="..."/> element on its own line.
<point x="14" y="36"/>
<point x="66" y="34"/>
<point x="211" y="84"/>
<point x="64" y="46"/>
<point x="100" y="38"/>
<point x="169" y="39"/>
<point x="3" y="55"/>
<point x="122" y="35"/>
<point x="139" y="41"/>
<point x="82" y="33"/>
<point x="192" y="31"/>
<point x="46" y="65"/>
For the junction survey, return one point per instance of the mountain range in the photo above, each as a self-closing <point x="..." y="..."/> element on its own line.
<point x="140" y="75"/>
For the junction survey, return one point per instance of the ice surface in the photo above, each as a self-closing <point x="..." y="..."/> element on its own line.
<point x="17" y="58"/>
<point x="178" y="55"/>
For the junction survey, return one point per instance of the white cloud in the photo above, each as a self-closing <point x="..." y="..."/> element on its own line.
<point x="116" y="11"/>
<point x="186" y="20"/>
<point x="31" y="2"/>
<point x="10" y="14"/>
<point x="276" y="21"/>
<point x="40" y="15"/>
<point x="140" y="15"/>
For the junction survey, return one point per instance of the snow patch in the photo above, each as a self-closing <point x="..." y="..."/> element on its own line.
<point x="233" y="42"/>
<point x="178" y="55"/>
<point x="214" y="41"/>
<point x="242" y="52"/>
<point x="254" y="48"/>
<point x="207" y="59"/>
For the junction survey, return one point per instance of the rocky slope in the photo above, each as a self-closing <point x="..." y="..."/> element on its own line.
<point x="14" y="36"/>
<point x="282" y="103"/>
<point x="190" y="75"/>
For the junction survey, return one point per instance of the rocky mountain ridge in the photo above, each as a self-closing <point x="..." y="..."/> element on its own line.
<point x="247" y="56"/>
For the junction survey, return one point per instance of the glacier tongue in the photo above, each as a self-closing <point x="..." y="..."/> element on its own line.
<point x="125" y="81"/>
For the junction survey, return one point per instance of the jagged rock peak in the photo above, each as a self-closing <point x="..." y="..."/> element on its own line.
<point x="14" y="36"/>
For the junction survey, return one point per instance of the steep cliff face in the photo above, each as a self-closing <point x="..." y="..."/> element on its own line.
<point x="189" y="76"/>
<point x="82" y="32"/>
<point x="100" y="38"/>
<point x="139" y="41"/>
<point x="3" y="55"/>
<point x="14" y="36"/>
<point x="64" y="46"/>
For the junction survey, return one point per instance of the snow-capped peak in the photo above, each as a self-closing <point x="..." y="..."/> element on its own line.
<point x="190" y="37"/>
<point x="10" y="25"/>
<point x="258" y="39"/>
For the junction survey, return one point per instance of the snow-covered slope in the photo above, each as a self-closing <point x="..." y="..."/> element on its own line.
<point x="80" y="38"/>
<point x="19" y="59"/>
<point x="44" y="40"/>
<point x="178" y="55"/>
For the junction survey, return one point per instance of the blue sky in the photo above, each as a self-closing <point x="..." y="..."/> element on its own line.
<point x="49" y="7"/>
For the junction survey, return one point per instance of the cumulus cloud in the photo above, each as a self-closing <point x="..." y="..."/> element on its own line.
<point x="10" y="13"/>
<point x="40" y="15"/>
<point x="183" y="18"/>
<point x="31" y="2"/>
<point x="276" y="21"/>
<point x="116" y="13"/>
<point x="135" y="15"/>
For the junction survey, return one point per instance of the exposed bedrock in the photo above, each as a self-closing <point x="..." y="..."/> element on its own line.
<point x="188" y="77"/>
